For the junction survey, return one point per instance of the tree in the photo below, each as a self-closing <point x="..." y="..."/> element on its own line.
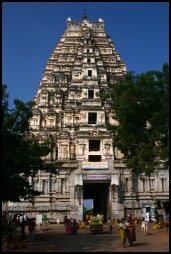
<point x="21" y="156"/>
<point x="140" y="104"/>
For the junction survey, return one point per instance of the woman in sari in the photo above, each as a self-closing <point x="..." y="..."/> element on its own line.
<point x="122" y="232"/>
<point x="131" y="233"/>
<point x="68" y="226"/>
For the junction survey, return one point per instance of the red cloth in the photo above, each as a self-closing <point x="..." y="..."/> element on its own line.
<point x="32" y="225"/>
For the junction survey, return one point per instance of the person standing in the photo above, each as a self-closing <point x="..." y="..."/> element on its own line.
<point x="68" y="226"/>
<point x="147" y="220"/>
<point x="31" y="229"/>
<point x="110" y="225"/>
<point x="144" y="226"/>
<point x="10" y="232"/>
<point x="74" y="227"/>
<point x="122" y="232"/>
<point x="131" y="233"/>
<point x="147" y="217"/>
<point x="65" y="221"/>
<point x="22" y="224"/>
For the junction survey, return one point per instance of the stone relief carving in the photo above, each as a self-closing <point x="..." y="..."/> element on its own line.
<point x="52" y="78"/>
<point x="118" y="154"/>
<point x="115" y="193"/>
<point x="94" y="132"/>
<point x="101" y="117"/>
<point x="107" y="148"/>
<point x="69" y="119"/>
<point x="97" y="26"/>
<point x="83" y="116"/>
<point x="78" y="193"/>
<point x="51" y="99"/>
<point x="64" y="153"/>
<point x="58" y="77"/>
<point x="72" y="151"/>
<point x="64" y="134"/>
<point x="72" y="95"/>
<point x="36" y="111"/>
<point x="82" y="148"/>
<point x="35" y="184"/>
<point x="53" y="185"/>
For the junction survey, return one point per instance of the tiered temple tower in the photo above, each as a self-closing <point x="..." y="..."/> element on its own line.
<point x="69" y="111"/>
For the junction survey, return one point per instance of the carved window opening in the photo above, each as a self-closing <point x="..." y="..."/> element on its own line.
<point x="92" y="118"/>
<point x="143" y="185"/>
<point x="151" y="184"/>
<point x="94" y="145"/>
<point x="34" y="184"/>
<point x="88" y="51"/>
<point x="107" y="148"/>
<point x="44" y="186"/>
<point x="53" y="185"/>
<point x="44" y="101"/>
<point x="35" y="121"/>
<point x="91" y="94"/>
<point x="162" y="184"/>
<point x="62" y="186"/>
<point x="126" y="184"/>
<point x="50" y="185"/>
<point x="89" y="73"/>
<point x="94" y="158"/>
<point x="88" y="60"/>
<point x="56" y="153"/>
<point x="51" y="122"/>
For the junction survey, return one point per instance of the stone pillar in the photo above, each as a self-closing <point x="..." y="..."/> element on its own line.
<point x="79" y="193"/>
<point x="115" y="193"/>
<point x="117" y="209"/>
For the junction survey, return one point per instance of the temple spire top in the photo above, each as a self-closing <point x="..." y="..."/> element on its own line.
<point x="84" y="15"/>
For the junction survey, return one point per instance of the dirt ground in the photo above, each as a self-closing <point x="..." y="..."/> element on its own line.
<point x="53" y="238"/>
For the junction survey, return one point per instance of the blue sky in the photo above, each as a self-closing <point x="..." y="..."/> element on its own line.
<point x="31" y="30"/>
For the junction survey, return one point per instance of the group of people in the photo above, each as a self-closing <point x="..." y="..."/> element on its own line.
<point x="31" y="228"/>
<point x="70" y="225"/>
<point x="127" y="230"/>
<point x="10" y="225"/>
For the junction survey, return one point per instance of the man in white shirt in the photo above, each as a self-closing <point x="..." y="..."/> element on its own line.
<point x="147" y="217"/>
<point x="147" y="220"/>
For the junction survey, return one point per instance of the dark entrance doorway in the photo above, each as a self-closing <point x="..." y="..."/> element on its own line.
<point x="99" y="192"/>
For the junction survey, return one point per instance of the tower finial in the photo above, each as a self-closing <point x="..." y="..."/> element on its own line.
<point x="84" y="15"/>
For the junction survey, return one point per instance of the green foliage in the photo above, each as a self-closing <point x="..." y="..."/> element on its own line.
<point x="87" y="211"/>
<point x="141" y="105"/>
<point x="21" y="156"/>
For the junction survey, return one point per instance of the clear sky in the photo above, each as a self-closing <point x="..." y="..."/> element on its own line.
<point x="31" y="30"/>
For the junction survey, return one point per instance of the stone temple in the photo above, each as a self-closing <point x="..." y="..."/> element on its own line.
<point x="69" y="111"/>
